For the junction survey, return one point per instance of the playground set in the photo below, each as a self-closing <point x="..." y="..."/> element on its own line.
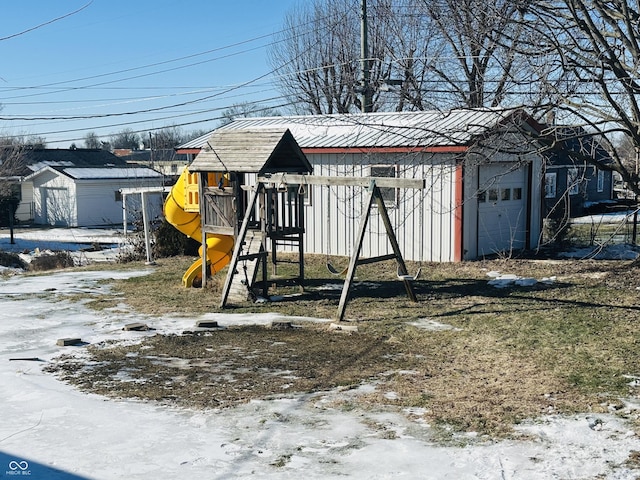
<point x="242" y="198"/>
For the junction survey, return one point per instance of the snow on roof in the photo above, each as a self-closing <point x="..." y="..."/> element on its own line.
<point x="103" y="173"/>
<point x="388" y="129"/>
<point x="49" y="163"/>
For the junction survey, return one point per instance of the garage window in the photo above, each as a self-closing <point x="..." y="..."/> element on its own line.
<point x="550" y="185"/>
<point x="388" y="194"/>
<point x="600" y="180"/>
<point x="573" y="181"/>
<point x="517" y="193"/>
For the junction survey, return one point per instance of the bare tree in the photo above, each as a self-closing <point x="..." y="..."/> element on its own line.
<point x="423" y="54"/>
<point x="247" y="110"/>
<point x="410" y="46"/>
<point x="13" y="166"/>
<point x="477" y="63"/>
<point x="594" y="50"/>
<point x="168" y="137"/>
<point x="91" y="140"/>
<point x="317" y="57"/>
<point x="126" y="138"/>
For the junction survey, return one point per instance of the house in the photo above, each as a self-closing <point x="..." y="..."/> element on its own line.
<point x="482" y="170"/>
<point x="79" y="187"/>
<point x="573" y="185"/>
<point x="164" y="160"/>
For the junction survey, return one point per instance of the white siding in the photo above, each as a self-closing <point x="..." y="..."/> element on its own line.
<point x="54" y="200"/>
<point x="97" y="203"/>
<point x="423" y="220"/>
<point x="59" y="200"/>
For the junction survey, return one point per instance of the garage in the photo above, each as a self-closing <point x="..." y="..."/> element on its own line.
<point x="502" y="208"/>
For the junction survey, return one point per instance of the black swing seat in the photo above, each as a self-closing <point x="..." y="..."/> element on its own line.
<point x="333" y="270"/>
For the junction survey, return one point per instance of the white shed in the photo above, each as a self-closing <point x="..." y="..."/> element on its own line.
<point x="481" y="168"/>
<point x="87" y="196"/>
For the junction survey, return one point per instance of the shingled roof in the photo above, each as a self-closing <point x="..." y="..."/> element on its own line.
<point x="251" y="151"/>
<point x="36" y="158"/>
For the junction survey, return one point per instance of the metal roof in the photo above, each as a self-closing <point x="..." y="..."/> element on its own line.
<point x="263" y="150"/>
<point x="89" y="173"/>
<point x="389" y="129"/>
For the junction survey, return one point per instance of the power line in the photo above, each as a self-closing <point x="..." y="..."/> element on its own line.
<point x="49" y="22"/>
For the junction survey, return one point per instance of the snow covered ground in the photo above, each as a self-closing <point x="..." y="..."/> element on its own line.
<point x="48" y="430"/>
<point x="30" y="241"/>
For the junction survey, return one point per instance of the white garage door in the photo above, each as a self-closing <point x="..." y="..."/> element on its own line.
<point x="57" y="208"/>
<point x="502" y="209"/>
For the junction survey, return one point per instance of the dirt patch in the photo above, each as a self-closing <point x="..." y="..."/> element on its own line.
<point x="231" y="366"/>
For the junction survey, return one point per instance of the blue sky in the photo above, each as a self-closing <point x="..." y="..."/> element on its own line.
<point x="116" y="57"/>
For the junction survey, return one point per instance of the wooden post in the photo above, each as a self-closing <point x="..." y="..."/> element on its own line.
<point x="351" y="271"/>
<point x="204" y="255"/>
<point x="145" y="221"/>
<point x="382" y="208"/>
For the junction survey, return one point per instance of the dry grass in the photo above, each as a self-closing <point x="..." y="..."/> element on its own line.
<point x="515" y="353"/>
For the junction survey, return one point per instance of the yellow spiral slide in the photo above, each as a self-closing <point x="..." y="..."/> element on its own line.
<point x="219" y="247"/>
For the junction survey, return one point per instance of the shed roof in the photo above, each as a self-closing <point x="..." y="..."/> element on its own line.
<point x="106" y="173"/>
<point x="33" y="159"/>
<point x="263" y="150"/>
<point x="389" y="129"/>
<point x="112" y="173"/>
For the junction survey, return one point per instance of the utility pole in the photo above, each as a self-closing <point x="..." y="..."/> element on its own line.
<point x="366" y="97"/>
<point x="150" y="151"/>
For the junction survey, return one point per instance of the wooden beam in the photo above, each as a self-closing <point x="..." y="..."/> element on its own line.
<point x="382" y="182"/>
<point x="402" y="268"/>
<point x="381" y="258"/>
<point x="353" y="262"/>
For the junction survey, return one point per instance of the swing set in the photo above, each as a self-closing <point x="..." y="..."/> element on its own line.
<point x="340" y="272"/>
<point x="373" y="197"/>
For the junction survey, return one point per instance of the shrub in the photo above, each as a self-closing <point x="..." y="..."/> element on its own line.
<point x="11" y="260"/>
<point x="171" y="242"/>
<point x="53" y="261"/>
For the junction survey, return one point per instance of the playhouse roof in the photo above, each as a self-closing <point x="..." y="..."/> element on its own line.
<point x="388" y="129"/>
<point x="264" y="150"/>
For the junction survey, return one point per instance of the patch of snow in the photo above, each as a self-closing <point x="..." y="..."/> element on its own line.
<point x="428" y="324"/>
<point x="500" y="280"/>
<point x="604" y="218"/>
<point x="608" y="252"/>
